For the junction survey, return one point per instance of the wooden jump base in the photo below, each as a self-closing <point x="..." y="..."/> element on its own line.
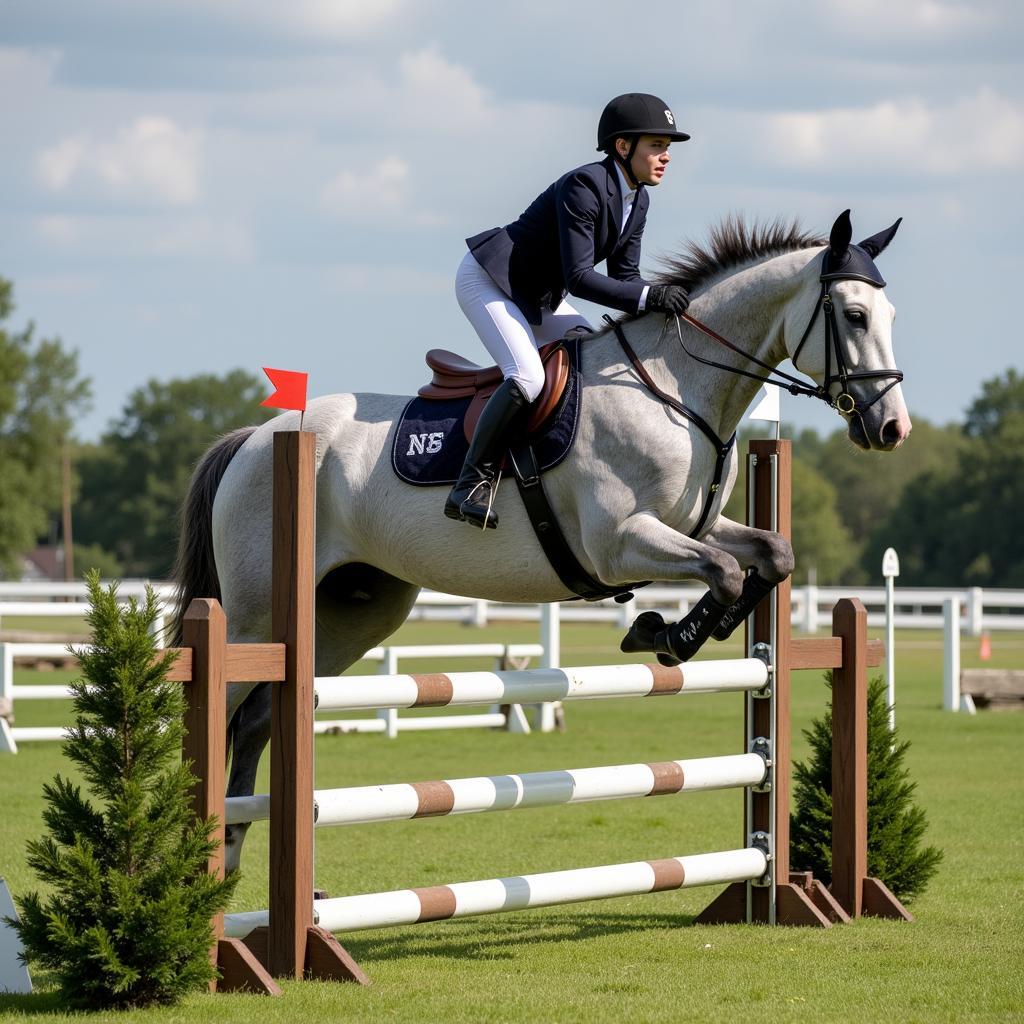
<point x="293" y="939"/>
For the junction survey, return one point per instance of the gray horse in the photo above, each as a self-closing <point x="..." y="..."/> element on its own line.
<point x="635" y="486"/>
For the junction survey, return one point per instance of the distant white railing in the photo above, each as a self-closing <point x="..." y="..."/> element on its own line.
<point x="387" y="721"/>
<point x="981" y="609"/>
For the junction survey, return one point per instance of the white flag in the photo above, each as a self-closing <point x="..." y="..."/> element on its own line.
<point x="768" y="406"/>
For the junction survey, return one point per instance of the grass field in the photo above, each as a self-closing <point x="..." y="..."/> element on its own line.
<point x="633" y="959"/>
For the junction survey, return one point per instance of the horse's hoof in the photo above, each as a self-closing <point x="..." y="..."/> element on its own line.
<point x="668" y="661"/>
<point x="642" y="633"/>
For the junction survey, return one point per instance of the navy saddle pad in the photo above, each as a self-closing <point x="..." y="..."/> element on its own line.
<point x="430" y="443"/>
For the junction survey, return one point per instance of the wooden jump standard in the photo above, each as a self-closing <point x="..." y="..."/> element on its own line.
<point x="293" y="947"/>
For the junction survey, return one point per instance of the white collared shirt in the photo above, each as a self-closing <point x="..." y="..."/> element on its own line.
<point x="628" y="199"/>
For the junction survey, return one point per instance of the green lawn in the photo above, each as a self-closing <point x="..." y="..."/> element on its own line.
<point x="638" y="958"/>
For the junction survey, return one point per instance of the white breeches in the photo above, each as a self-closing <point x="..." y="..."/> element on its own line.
<point x="507" y="335"/>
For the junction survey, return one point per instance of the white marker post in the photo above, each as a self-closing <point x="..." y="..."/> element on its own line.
<point x="890" y="570"/>
<point x="14" y="976"/>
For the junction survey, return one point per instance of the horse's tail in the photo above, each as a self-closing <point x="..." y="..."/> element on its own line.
<point x="195" y="571"/>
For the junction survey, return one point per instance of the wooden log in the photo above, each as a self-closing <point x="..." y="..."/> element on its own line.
<point x="997" y="688"/>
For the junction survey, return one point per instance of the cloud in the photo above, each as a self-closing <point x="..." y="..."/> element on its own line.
<point x="380" y="193"/>
<point x="440" y="93"/>
<point x="205" y="237"/>
<point x="363" y="278"/>
<point x="982" y="132"/>
<point x="908" y="17"/>
<point x="59" y="230"/>
<point x="336" y="18"/>
<point x="151" y="158"/>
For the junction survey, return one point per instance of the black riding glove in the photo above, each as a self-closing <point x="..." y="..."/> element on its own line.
<point x="667" y="298"/>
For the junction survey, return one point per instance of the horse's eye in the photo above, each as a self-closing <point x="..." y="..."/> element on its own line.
<point x="855" y="317"/>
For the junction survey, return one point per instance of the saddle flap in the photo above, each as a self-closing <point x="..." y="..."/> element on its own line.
<point x="556" y="373"/>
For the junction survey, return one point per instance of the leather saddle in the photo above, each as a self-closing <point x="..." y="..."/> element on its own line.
<point x="455" y="377"/>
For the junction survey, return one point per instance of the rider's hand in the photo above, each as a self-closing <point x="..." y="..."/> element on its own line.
<point x="667" y="298"/>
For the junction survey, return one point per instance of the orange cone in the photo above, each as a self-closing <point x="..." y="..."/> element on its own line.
<point x="985" y="647"/>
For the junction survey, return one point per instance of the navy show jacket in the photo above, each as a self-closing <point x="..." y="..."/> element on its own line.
<point x="563" y="234"/>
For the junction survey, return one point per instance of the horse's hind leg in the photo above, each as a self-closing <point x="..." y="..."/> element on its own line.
<point x="357" y="606"/>
<point x="249" y="734"/>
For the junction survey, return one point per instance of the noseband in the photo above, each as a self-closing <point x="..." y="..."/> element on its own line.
<point x="844" y="402"/>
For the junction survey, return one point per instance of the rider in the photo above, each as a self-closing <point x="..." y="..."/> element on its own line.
<point x="513" y="281"/>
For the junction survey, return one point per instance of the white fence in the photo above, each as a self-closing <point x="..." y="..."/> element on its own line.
<point x="387" y="721"/>
<point x="982" y="609"/>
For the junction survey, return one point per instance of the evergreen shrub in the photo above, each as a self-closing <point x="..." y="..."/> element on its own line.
<point x="896" y="826"/>
<point x="124" y="918"/>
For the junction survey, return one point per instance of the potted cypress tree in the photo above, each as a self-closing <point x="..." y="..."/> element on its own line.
<point x="125" y="920"/>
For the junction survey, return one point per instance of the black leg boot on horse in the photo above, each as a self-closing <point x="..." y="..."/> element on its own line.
<point x="755" y="589"/>
<point x="674" y="642"/>
<point x="471" y="498"/>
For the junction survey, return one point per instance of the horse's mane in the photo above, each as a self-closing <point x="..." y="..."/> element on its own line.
<point x="732" y="243"/>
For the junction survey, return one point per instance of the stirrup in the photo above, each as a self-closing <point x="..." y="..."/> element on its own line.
<point x="490" y="518"/>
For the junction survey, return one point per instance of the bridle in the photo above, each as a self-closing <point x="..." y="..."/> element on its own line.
<point x="844" y="402"/>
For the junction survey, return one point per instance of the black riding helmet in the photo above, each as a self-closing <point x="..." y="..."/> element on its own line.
<point x="628" y="117"/>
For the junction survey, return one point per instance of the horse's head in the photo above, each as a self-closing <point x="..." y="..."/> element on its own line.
<point x="846" y="347"/>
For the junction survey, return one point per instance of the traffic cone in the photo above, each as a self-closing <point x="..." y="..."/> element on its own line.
<point x="985" y="647"/>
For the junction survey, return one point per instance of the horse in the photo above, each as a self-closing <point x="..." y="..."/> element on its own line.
<point x="636" y="496"/>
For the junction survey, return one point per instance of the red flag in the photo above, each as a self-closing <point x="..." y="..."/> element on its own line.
<point x="290" y="390"/>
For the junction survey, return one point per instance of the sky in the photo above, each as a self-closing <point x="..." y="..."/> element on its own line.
<point x="193" y="186"/>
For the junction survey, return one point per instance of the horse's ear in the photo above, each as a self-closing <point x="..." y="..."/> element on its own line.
<point x="842" y="232"/>
<point x="876" y="243"/>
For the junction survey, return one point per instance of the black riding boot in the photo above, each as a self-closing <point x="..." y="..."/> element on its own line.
<point x="471" y="495"/>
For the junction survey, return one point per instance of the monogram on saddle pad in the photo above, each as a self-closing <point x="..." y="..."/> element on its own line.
<point x="435" y="428"/>
<point x="455" y="377"/>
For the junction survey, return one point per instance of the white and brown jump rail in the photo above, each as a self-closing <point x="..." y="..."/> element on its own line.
<point x="591" y="682"/>
<point x="293" y="939"/>
<point x="523" y="892"/>
<point x="406" y="801"/>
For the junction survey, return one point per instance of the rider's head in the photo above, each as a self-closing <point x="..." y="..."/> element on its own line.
<point x="636" y="130"/>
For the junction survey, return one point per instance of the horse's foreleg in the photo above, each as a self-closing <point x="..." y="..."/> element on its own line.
<point x="646" y="548"/>
<point x="250" y="733"/>
<point x="768" y="555"/>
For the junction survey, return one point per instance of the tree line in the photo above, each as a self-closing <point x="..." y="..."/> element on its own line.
<point x="948" y="500"/>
